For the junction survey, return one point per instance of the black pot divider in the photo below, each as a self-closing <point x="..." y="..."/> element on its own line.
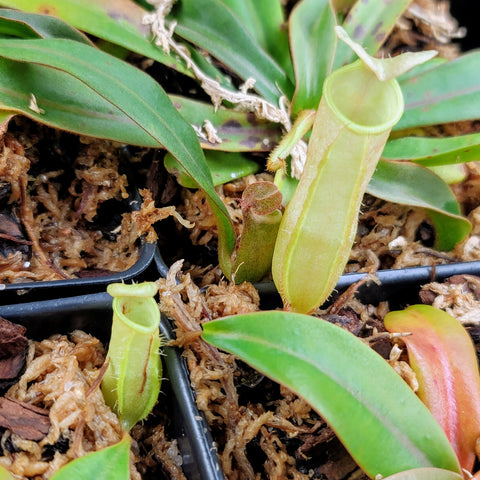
<point x="92" y="313"/>
<point x="400" y="286"/>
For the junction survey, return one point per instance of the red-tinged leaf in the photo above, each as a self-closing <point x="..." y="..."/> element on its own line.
<point x="443" y="357"/>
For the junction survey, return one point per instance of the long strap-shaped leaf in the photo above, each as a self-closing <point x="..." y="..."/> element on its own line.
<point x="450" y="92"/>
<point x="28" y="25"/>
<point x="312" y="25"/>
<point x="86" y="113"/>
<point x="265" y="19"/>
<point x="138" y="96"/>
<point x="65" y="102"/>
<point x="117" y="21"/>
<point x="433" y="151"/>
<point x="444" y="359"/>
<point x="379" y="419"/>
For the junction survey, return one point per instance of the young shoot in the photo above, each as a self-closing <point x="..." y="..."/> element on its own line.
<point x="261" y="202"/>
<point x="132" y="381"/>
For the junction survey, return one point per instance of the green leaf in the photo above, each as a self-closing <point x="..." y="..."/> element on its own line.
<point x="28" y="25"/>
<point x="117" y="21"/>
<point x="425" y="474"/>
<point x="411" y="184"/>
<point x="5" y="116"/>
<point x="378" y="418"/>
<point x="238" y="131"/>
<point x="368" y="23"/>
<point x="312" y="25"/>
<point x="139" y="97"/>
<point x="110" y="463"/>
<point x="431" y="152"/>
<point x="444" y="359"/>
<point x="5" y="474"/>
<point x="65" y="103"/>
<point x="447" y="93"/>
<point x="450" y="174"/>
<point x="69" y="104"/>
<point x="265" y="21"/>
<point x="223" y="166"/>
<point x="286" y="184"/>
<point x="422" y="68"/>
<point x="212" y="26"/>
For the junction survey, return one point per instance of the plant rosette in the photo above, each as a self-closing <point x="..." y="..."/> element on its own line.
<point x="272" y="50"/>
<point x="388" y="235"/>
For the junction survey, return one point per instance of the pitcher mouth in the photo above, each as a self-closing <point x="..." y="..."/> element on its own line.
<point x="363" y="103"/>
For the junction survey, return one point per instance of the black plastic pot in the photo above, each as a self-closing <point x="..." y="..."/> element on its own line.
<point x="402" y="285"/>
<point x="33" y="291"/>
<point x="93" y="313"/>
<point x="400" y="288"/>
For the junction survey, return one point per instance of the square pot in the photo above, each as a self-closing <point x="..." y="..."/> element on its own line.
<point x="62" y="199"/>
<point x="398" y="288"/>
<point x="92" y="314"/>
<point x="11" y="293"/>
